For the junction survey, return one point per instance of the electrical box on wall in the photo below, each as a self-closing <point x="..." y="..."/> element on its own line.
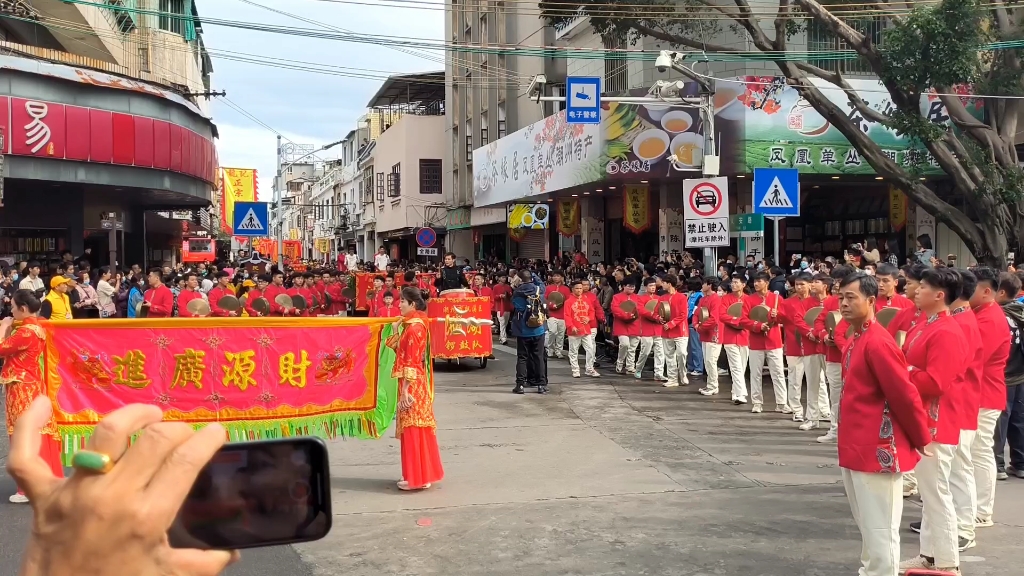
<point x="711" y="165"/>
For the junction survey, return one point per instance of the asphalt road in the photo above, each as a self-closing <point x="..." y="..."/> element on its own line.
<point x="599" y="477"/>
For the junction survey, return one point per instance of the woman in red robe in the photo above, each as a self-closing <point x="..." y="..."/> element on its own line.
<point x="22" y="348"/>
<point x="421" y="458"/>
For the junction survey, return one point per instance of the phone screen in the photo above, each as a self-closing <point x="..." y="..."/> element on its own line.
<point x="258" y="494"/>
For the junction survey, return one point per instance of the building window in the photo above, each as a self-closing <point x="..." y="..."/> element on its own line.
<point x="430" y="176"/>
<point x="616" y="67"/>
<point x="169" y="22"/>
<point x="821" y="39"/>
<point x="483" y="137"/>
<point x="395" y="181"/>
<point x="380" y="187"/>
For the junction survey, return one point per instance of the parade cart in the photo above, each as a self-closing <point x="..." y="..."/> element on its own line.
<point x="460" y="326"/>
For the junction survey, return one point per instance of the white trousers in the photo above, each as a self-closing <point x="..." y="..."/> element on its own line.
<point x="834" y="376"/>
<point x="818" y="407"/>
<point x="627" y="353"/>
<point x="738" y="357"/>
<point x="588" y="350"/>
<point x="877" y="505"/>
<point x="938" y="517"/>
<point x="797" y="369"/>
<point x="961" y="484"/>
<point x="984" y="458"/>
<point x="775" y="369"/>
<point x="659" y="356"/>
<point x="675" y="359"/>
<point x="503" y="326"/>
<point x="554" y="338"/>
<point x="712" y="351"/>
<point x="646" y="345"/>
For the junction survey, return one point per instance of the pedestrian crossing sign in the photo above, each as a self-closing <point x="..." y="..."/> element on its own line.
<point x="777" y="192"/>
<point x="251" y="219"/>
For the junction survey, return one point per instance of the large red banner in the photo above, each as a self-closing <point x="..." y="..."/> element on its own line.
<point x="460" y="327"/>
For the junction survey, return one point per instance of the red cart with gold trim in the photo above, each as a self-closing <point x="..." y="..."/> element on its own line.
<point x="460" y="326"/>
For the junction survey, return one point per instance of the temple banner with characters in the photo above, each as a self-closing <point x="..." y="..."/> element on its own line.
<point x="259" y="378"/>
<point x="460" y="327"/>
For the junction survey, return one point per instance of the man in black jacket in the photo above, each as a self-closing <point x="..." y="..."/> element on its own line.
<point x="450" y="277"/>
<point x="1011" y="422"/>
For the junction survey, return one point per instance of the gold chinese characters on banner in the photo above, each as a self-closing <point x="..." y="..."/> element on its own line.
<point x="322" y="245"/>
<point x="897" y="209"/>
<point x="569" y="217"/>
<point x="636" y="208"/>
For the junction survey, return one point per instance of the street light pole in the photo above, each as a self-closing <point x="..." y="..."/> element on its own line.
<point x="279" y="197"/>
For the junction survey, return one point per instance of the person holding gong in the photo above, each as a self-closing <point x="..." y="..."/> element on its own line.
<point x="626" y="328"/>
<point x="761" y="319"/>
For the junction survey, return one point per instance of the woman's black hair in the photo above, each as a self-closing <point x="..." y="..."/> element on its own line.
<point x="926" y="241"/>
<point x="412" y="295"/>
<point x="27" y="299"/>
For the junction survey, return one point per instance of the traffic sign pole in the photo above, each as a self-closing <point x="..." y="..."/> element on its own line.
<point x="776" y="254"/>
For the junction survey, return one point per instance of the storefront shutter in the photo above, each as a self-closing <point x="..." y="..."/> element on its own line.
<point x="533" y="246"/>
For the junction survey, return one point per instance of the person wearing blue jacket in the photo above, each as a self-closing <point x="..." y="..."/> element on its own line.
<point x="695" y="352"/>
<point x="527" y="303"/>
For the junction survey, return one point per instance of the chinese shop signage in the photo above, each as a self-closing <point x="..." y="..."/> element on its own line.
<point x="636" y="208"/>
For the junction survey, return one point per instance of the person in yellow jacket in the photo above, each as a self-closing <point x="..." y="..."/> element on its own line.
<point x="56" y="305"/>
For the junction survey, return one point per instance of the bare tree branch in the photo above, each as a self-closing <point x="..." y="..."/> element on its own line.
<point x="780" y="25"/>
<point x="676" y="39"/>
<point x="856" y="101"/>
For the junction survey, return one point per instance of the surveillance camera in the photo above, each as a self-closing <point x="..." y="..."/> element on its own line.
<point x="536" y="89"/>
<point x="665" y="60"/>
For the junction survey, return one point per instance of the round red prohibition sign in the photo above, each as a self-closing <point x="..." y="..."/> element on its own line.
<point x="705" y="199"/>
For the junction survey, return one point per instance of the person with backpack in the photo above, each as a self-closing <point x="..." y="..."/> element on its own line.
<point x="529" y="326"/>
<point x="1011" y="422"/>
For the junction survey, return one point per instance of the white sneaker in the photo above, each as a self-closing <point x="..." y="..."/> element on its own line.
<point x="756" y="409"/>
<point x="18" y="499"/>
<point x="707" y="392"/>
<point x="669" y="384"/>
<point x="980" y="522"/>
<point x="809" y="425"/>
<point x="918" y="563"/>
<point x="575" y="374"/>
<point x="723" y="372"/>
<point x="618" y="369"/>
<point x="784" y="408"/>
<point x="686" y="381"/>
<point x="798" y="417"/>
<point x="593" y="373"/>
<point x="829" y="437"/>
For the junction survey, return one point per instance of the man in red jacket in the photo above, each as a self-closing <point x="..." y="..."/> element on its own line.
<point x="883" y="427"/>
<point x="818" y="405"/>
<point x="888" y="276"/>
<point x="190" y="293"/>
<point x="262" y="281"/>
<point x="735" y="340"/>
<point x="158" y="299"/>
<point x="650" y="332"/>
<point x="275" y="289"/>
<point x="554" y="338"/>
<point x="675" y="334"/>
<point x="765" y="345"/>
<point x="626" y="328"/>
<point x="995" y="344"/>
<point x="710" y="330"/>
<point x="833" y="342"/>
<point x="798" y="346"/>
<point x="580" y="325"/>
<point x="501" y="295"/>
<point x="937" y="364"/>
<point x="219" y="291"/>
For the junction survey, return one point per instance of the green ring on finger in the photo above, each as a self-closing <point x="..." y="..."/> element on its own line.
<point x="90" y="461"/>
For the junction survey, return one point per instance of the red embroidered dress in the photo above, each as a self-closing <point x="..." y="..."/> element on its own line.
<point x="415" y="426"/>
<point x="22" y="376"/>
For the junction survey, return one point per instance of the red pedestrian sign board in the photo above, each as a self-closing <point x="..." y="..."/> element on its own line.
<point x="706" y="198"/>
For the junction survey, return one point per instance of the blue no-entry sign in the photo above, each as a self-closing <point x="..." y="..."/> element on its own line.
<point x="426" y="237"/>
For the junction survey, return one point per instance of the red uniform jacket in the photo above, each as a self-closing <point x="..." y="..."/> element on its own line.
<point x="596" y="304"/>
<point x="184" y="298"/>
<point x="884" y="421"/>
<point x="272" y="292"/>
<point x="338" y="302"/>
<point x="161" y="302"/>
<point x="970" y="391"/>
<point x="625" y="324"/>
<point x="679" y="307"/>
<point x="378" y="300"/>
<point x="484" y="292"/>
<point x="581" y="315"/>
<point x="649" y="323"/>
<point x="904" y="321"/>
<point x="995" y="344"/>
<point x="251" y="296"/>
<point x="710" y="329"/>
<point x="833" y="351"/>
<point x="215" y="295"/>
<point x="895" y="301"/>
<point x="501" y="298"/>
<point x="791" y="314"/>
<point x="758" y="339"/>
<point x="558" y="313"/>
<point x="732" y="332"/>
<point x="388" y="311"/>
<point x="938" y="362"/>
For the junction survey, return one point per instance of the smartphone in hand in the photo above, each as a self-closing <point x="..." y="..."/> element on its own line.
<point x="253" y="494"/>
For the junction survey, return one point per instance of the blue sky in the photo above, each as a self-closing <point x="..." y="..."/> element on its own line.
<point x="306" y="107"/>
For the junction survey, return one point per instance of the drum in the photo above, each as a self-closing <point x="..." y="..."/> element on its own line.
<point x="812" y="315"/>
<point x="629" y="307"/>
<point x="735" y="310"/>
<point x="457" y="293"/>
<point x="198" y="307"/>
<point x="886" y="315"/>
<point x="556" y="300"/>
<point x="284" y="301"/>
<point x="229" y="303"/>
<point x="299" y="302"/>
<point x="664" y="310"/>
<point x="760" y="313"/>
<point x="262" y="306"/>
